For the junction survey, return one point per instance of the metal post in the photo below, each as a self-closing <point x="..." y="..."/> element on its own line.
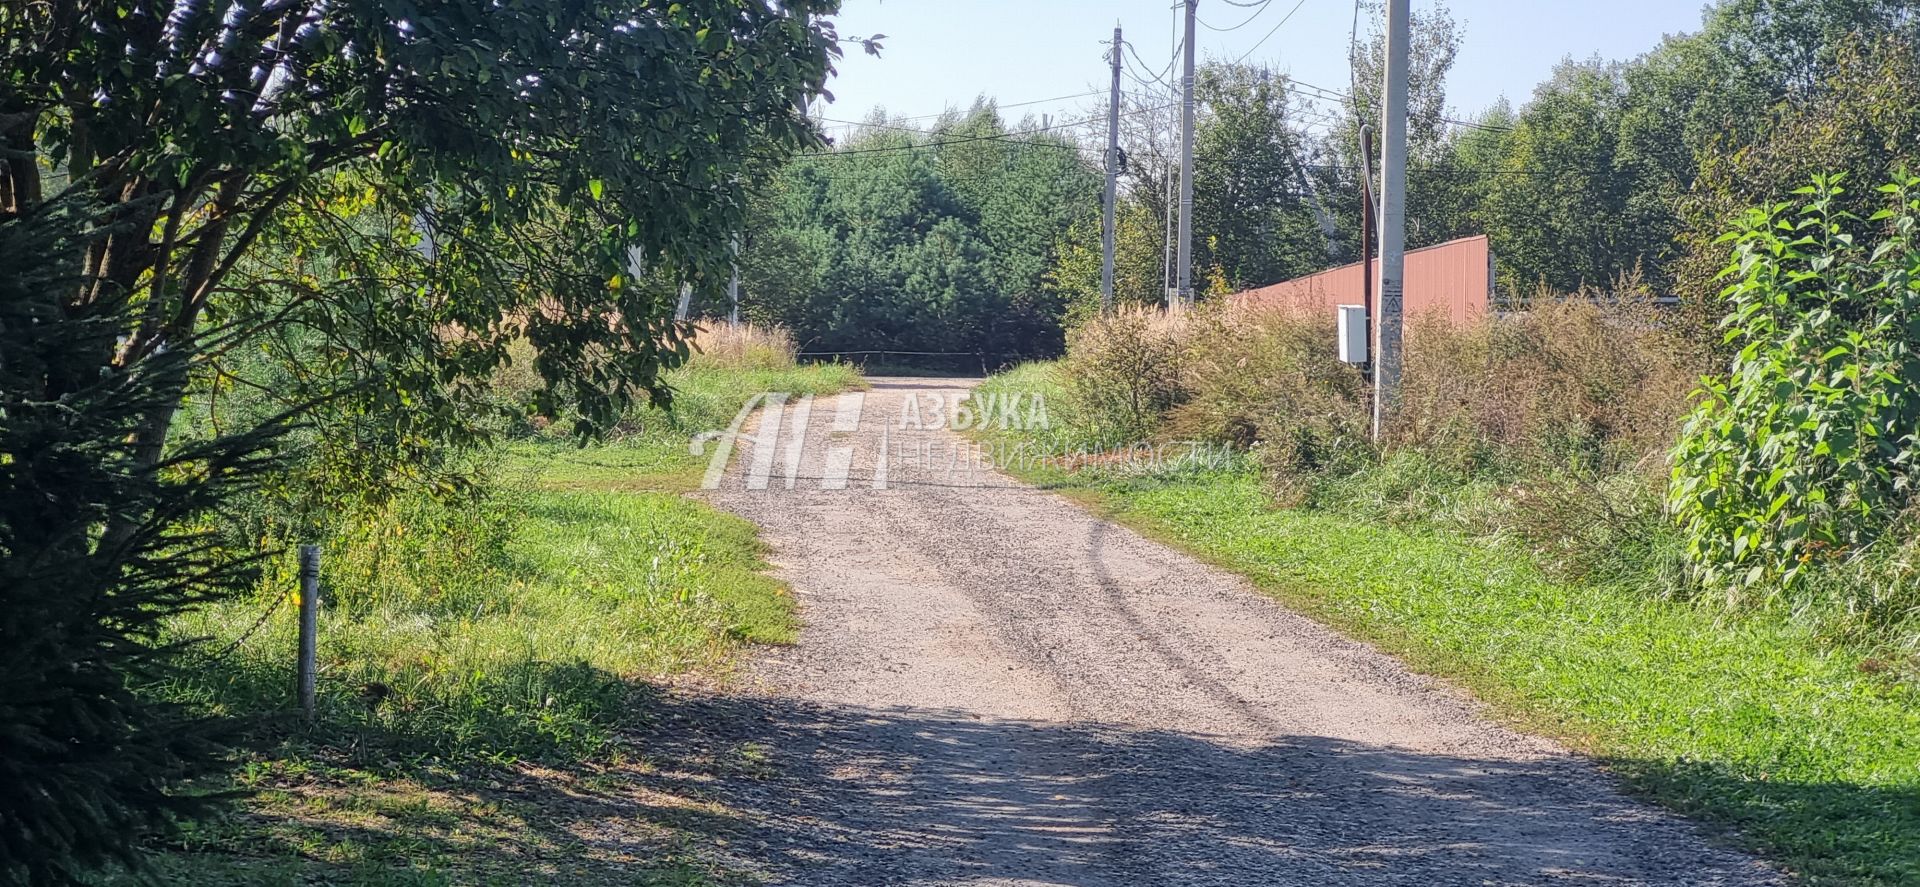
<point x="685" y="304"/>
<point x="1107" y="221"/>
<point x="1393" y="219"/>
<point x="733" y="285"/>
<point x="309" y="626"/>
<point x="1366" y="227"/>
<point x="1186" y="162"/>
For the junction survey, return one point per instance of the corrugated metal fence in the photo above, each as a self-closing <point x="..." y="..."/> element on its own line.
<point x="1453" y="278"/>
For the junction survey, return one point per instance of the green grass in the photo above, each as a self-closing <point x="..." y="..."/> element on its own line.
<point x="1804" y="750"/>
<point x="467" y="642"/>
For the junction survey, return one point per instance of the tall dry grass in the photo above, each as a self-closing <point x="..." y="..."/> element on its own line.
<point x="1573" y="382"/>
<point x="1578" y="380"/>
<point x="1549" y="425"/>
<point x="1124" y="372"/>
<point x="743" y="346"/>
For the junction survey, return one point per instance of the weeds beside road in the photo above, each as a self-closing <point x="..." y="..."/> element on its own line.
<point x="482" y="658"/>
<point x="1750" y="722"/>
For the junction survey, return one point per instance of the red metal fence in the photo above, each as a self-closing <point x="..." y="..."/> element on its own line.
<point x="1453" y="278"/>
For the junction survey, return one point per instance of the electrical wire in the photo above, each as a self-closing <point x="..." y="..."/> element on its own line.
<point x="1010" y="137"/>
<point x="1258" y="8"/>
<point x="1160" y="78"/>
<point x="998" y="105"/>
<point x="1330" y="94"/>
<point x="1283" y="20"/>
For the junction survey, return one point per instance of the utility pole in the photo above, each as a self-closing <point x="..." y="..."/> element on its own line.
<point x="1186" y="162"/>
<point x="1393" y="220"/>
<point x="1113" y="179"/>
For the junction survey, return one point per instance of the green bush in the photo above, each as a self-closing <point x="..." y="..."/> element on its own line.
<point x="1801" y="454"/>
<point x="1123" y="374"/>
<point x="1270" y="382"/>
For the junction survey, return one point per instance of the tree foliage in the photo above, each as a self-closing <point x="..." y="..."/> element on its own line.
<point x="906" y="240"/>
<point x="1597" y="177"/>
<point x="91" y="764"/>
<point x="1252" y="218"/>
<point x="538" y="145"/>
<point x="347" y="205"/>
<point x="1805" y="450"/>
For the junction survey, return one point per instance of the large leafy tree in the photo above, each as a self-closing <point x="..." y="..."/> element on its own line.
<point x="1862" y="118"/>
<point x="1596" y="180"/>
<point x="541" y="145"/>
<point x="1440" y="188"/>
<point x="379" y="194"/>
<point x="936" y="240"/>
<point x="1253" y="220"/>
<point x="1553" y="209"/>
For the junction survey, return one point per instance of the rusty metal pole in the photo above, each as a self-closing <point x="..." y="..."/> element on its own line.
<point x="1366" y="229"/>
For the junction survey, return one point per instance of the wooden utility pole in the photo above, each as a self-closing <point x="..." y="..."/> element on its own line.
<point x="1107" y="232"/>
<point x="1186" y="163"/>
<point x="1393" y="220"/>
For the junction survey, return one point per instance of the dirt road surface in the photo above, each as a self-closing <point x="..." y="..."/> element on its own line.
<point x="994" y="687"/>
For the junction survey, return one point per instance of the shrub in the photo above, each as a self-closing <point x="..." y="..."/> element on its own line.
<point x="1802" y="453"/>
<point x="1269" y="380"/>
<point x="1586" y="382"/>
<point x="1123" y="372"/>
<point x="743" y="346"/>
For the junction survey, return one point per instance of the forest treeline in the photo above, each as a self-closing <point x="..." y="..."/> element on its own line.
<point x="977" y="233"/>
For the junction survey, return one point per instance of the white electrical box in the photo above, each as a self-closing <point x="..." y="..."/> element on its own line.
<point x="1353" y="333"/>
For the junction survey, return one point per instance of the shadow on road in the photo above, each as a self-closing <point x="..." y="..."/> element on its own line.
<point x="859" y="796"/>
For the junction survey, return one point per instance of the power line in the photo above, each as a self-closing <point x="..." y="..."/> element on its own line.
<point x="1159" y="78"/>
<point x="1009" y="137"/>
<point x="1258" y="8"/>
<point x="1331" y="94"/>
<point x="1270" y="33"/>
<point x="1038" y="129"/>
<point x="1000" y="105"/>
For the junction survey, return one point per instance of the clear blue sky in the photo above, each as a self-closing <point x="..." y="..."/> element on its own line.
<point x="946" y="52"/>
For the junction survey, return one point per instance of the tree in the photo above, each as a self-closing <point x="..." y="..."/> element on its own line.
<point x="1436" y="185"/>
<point x="1863" y="119"/>
<point x="407" y="190"/>
<point x="1601" y="164"/>
<point x="912" y="240"/>
<point x="1555" y="201"/>
<point x="89" y="763"/>
<point x="1252" y="222"/>
<point x="590" y="129"/>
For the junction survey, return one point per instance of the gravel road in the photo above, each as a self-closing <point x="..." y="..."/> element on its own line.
<point x="994" y="687"/>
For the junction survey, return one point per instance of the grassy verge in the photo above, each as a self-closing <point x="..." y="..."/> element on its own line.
<point x="1806" y="751"/>
<point x="481" y="662"/>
